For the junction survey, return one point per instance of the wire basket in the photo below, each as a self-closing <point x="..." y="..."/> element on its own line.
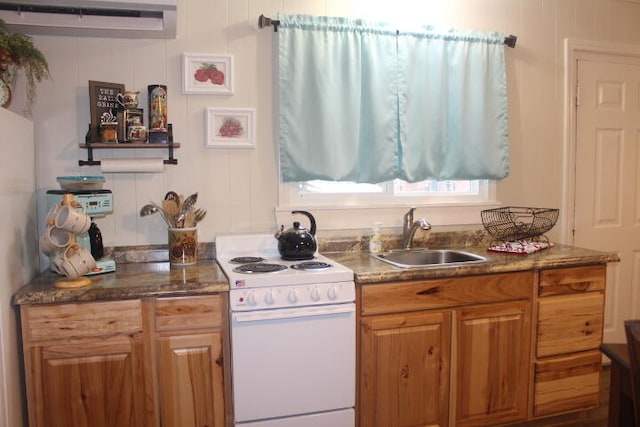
<point x="518" y="223"/>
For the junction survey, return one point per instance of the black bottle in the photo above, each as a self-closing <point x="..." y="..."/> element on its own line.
<point x="95" y="238"/>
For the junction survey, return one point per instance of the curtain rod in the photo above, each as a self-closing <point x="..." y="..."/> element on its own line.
<point x="263" y="21"/>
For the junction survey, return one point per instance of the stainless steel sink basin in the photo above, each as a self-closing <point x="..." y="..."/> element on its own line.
<point x="414" y="258"/>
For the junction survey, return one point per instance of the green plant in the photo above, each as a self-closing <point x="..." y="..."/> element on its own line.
<point x="17" y="52"/>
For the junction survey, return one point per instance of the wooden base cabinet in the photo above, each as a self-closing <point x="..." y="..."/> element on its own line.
<point x="72" y="379"/>
<point x="190" y="363"/>
<point x="84" y="365"/>
<point x="569" y="332"/>
<point x="125" y="363"/>
<point x="492" y="369"/>
<point x="405" y="373"/>
<point x="445" y="361"/>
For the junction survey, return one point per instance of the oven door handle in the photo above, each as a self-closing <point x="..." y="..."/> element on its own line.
<point x="291" y="313"/>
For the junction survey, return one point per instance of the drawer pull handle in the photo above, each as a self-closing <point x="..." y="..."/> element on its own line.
<point x="579" y="286"/>
<point x="429" y="291"/>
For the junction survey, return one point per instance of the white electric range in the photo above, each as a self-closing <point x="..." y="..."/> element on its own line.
<point x="292" y="336"/>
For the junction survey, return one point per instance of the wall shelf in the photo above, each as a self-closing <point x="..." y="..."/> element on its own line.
<point x="90" y="146"/>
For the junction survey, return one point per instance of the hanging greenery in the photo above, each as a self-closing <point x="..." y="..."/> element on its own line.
<point x="17" y="52"/>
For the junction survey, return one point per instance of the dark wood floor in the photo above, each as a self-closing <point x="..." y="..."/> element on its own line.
<point x="596" y="418"/>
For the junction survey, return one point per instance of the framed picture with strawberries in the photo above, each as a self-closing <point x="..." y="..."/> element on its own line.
<point x="230" y="127"/>
<point x="207" y="74"/>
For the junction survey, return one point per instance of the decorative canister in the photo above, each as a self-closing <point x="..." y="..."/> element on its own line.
<point x="183" y="246"/>
<point x="157" y="107"/>
<point x="137" y="133"/>
<point x="109" y="132"/>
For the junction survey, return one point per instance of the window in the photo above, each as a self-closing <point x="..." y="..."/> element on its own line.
<point x="375" y="116"/>
<point x="348" y="205"/>
<point x="394" y="192"/>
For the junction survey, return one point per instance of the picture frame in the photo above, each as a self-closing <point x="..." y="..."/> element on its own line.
<point x="230" y="127"/>
<point x="102" y="102"/>
<point x="207" y="74"/>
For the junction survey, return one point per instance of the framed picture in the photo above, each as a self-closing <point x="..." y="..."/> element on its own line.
<point x="230" y="127"/>
<point x="207" y="74"/>
<point x="103" y="105"/>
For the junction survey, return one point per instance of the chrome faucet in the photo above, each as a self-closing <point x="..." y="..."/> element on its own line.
<point x="409" y="228"/>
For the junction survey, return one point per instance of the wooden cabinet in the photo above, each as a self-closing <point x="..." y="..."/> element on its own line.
<point x="445" y="352"/>
<point x="480" y="351"/>
<point x="84" y="365"/>
<point x="569" y="331"/>
<point x="190" y="361"/>
<point x="493" y="363"/>
<point x="405" y="369"/>
<point x="125" y="363"/>
<point x="92" y="383"/>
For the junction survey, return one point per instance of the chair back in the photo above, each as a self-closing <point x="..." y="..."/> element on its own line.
<point x="632" y="329"/>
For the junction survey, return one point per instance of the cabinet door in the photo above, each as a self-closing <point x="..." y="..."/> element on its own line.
<point x="89" y="383"/>
<point x="191" y="380"/>
<point x="404" y="378"/>
<point x="492" y="349"/>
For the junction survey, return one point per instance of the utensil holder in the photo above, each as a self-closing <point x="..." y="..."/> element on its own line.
<point x="183" y="246"/>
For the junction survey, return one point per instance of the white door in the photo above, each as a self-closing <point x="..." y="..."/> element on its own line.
<point x="607" y="196"/>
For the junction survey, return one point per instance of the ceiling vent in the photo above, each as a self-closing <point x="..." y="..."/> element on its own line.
<point x="152" y="19"/>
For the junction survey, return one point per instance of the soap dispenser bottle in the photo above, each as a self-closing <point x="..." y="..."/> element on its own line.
<point x="375" y="241"/>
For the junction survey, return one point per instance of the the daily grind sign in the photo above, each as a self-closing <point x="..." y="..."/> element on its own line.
<point x="103" y="104"/>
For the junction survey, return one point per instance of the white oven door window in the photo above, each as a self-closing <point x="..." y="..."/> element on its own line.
<point x="293" y="361"/>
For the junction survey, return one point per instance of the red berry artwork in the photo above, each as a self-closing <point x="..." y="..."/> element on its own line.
<point x="231" y="128"/>
<point x="209" y="72"/>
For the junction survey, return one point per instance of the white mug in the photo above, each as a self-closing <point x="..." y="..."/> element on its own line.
<point x="73" y="219"/>
<point x="54" y="239"/>
<point x="50" y="219"/>
<point x="74" y="262"/>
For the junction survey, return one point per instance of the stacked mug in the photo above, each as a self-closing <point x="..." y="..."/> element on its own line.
<point x="64" y="221"/>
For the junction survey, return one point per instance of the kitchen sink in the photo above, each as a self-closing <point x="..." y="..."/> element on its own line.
<point x="415" y="258"/>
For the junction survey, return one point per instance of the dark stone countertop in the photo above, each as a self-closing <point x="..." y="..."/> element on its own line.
<point x="370" y="270"/>
<point x="129" y="281"/>
<point x="145" y="271"/>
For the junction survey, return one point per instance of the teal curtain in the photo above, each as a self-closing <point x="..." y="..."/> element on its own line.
<point x="452" y="105"/>
<point x="365" y="102"/>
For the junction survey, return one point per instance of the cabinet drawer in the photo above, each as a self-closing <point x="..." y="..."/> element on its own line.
<point x="570" y="323"/>
<point x="87" y="319"/>
<point x="568" y="383"/>
<point x="449" y="292"/>
<point x="572" y="280"/>
<point x="173" y="314"/>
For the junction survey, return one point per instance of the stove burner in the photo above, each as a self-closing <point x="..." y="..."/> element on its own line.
<point x="246" y="259"/>
<point x="259" y="267"/>
<point x="311" y="265"/>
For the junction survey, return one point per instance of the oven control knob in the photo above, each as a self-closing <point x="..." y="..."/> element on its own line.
<point x="333" y="293"/>
<point x="269" y="298"/>
<point x="251" y="299"/>
<point x="293" y="296"/>
<point x="315" y="294"/>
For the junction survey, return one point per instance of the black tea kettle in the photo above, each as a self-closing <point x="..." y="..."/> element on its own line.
<point x="297" y="243"/>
